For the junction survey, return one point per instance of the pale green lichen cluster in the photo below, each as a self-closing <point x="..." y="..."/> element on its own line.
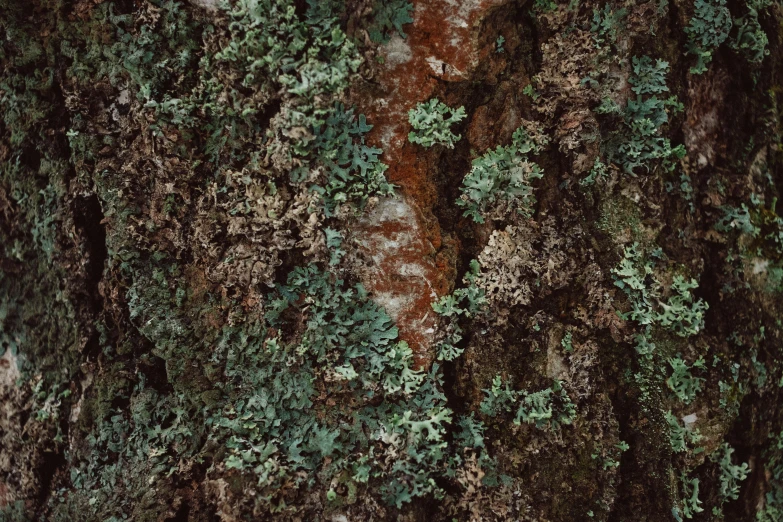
<point x="501" y="179"/>
<point x="730" y="474"/>
<point x="680" y="436"/>
<point x="708" y="28"/>
<point x="773" y="498"/>
<point x="389" y="16"/>
<point x="466" y="302"/>
<point x="641" y="144"/>
<point x="756" y="248"/>
<point x="549" y="408"/>
<point x="691" y="505"/>
<point x="712" y="24"/>
<point x="276" y="426"/>
<point x="431" y="126"/>
<point x="682" y="382"/>
<point x="680" y="313"/>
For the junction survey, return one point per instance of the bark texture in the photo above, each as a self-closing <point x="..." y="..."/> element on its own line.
<point x="375" y="260"/>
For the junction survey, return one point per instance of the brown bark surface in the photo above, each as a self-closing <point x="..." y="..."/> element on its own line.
<point x="235" y="286"/>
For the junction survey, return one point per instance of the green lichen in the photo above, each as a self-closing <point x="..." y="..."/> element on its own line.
<point x="466" y="302"/>
<point x="708" y="28"/>
<point x="751" y="40"/>
<point x="773" y="498"/>
<point x="756" y="249"/>
<point x="691" y="505"/>
<point x="354" y="172"/>
<point x="503" y="176"/>
<point x="680" y="313"/>
<point x="680" y="436"/>
<point x="549" y="408"/>
<point x="730" y="474"/>
<point x="607" y="24"/>
<point x="682" y="382"/>
<point x="389" y="16"/>
<point x="431" y="126"/>
<point x="641" y="145"/>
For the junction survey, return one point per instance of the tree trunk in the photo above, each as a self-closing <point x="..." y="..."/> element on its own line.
<point x="372" y="260"/>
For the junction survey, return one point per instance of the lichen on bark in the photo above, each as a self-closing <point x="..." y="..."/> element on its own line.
<point x="232" y="288"/>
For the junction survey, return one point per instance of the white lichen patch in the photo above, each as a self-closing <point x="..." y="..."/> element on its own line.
<point x="9" y="370"/>
<point x="436" y="65"/>
<point x="208" y="5"/>
<point x="397" y="51"/>
<point x="394" y="303"/>
<point x="398" y="269"/>
<point x="463" y="9"/>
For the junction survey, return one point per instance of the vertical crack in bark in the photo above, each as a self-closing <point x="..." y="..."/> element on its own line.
<point x="88" y="218"/>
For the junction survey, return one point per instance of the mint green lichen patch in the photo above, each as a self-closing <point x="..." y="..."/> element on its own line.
<point x="501" y="178"/>
<point x="680" y="313"/>
<point x="431" y="126"/>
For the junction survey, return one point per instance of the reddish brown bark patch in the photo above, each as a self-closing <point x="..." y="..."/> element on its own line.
<point x="401" y="272"/>
<point x="402" y="236"/>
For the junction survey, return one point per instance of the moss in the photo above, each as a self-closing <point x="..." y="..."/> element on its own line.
<point x="620" y="219"/>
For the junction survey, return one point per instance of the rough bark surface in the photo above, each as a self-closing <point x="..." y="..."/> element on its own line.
<point x="246" y="273"/>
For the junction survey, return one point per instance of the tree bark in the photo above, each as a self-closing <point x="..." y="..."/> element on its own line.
<point x="251" y="270"/>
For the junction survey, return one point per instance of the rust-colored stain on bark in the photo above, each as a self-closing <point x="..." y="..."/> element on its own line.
<point x="401" y="274"/>
<point x="402" y="236"/>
